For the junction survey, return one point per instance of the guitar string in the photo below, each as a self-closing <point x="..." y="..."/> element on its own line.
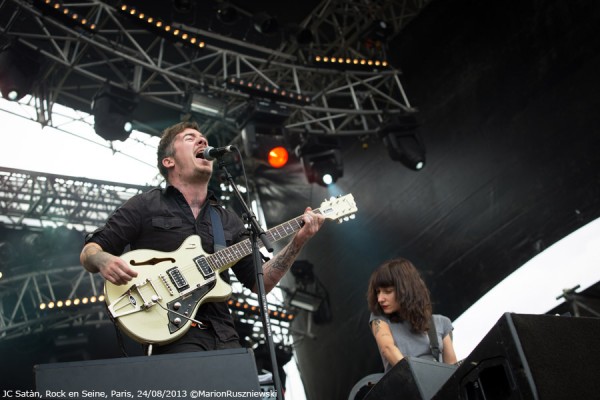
<point x="235" y="250"/>
<point x="213" y="259"/>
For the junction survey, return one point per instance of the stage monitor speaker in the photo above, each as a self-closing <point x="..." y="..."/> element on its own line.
<point x="224" y="373"/>
<point x="411" y="379"/>
<point x="531" y="357"/>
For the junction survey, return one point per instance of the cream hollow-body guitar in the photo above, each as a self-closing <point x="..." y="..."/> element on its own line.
<point x="160" y="303"/>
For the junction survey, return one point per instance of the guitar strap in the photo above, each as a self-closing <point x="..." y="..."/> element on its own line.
<point x="434" y="345"/>
<point x="217" y="227"/>
<point x="219" y="244"/>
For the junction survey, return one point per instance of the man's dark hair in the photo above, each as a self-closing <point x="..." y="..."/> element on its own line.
<point x="165" y="146"/>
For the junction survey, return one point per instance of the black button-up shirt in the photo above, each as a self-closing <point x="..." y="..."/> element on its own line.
<point x="161" y="220"/>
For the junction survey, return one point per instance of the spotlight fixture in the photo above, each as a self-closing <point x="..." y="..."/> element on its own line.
<point x="278" y="157"/>
<point x="304" y="36"/>
<point x="265" y="143"/>
<point x="227" y="14"/>
<point x="322" y="160"/>
<point x="401" y="137"/>
<point x="298" y="34"/>
<point x="206" y="104"/>
<point x="305" y="301"/>
<point x="302" y="271"/>
<point x="183" y="6"/>
<point x="265" y="23"/>
<point x="112" y="108"/>
<point x="19" y="67"/>
<point x="379" y="30"/>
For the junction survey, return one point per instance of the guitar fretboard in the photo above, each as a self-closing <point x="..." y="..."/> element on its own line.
<point x="222" y="259"/>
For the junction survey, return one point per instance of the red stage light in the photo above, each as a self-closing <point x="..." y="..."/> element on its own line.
<point x="278" y="157"/>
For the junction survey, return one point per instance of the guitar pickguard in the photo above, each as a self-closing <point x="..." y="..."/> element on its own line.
<point x="157" y="306"/>
<point x="186" y="306"/>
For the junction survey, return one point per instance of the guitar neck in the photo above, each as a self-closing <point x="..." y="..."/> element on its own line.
<point x="224" y="259"/>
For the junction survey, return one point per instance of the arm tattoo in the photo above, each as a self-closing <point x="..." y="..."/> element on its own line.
<point x="377" y="323"/>
<point x="282" y="262"/>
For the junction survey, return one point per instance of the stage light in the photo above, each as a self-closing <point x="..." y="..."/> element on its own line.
<point x="406" y="148"/>
<point x="64" y="14"/>
<point x="349" y="63"/>
<point x="182" y="6"/>
<point x="19" y="67"/>
<point x="302" y="271"/>
<point x="206" y="104"/>
<point x="266" y="91"/>
<point x="263" y="133"/>
<point x="322" y="160"/>
<point x="162" y="28"/>
<point x="305" y="301"/>
<point x="380" y="30"/>
<point x="227" y="14"/>
<point x="323" y="168"/>
<point x="265" y="23"/>
<point x="278" y="157"/>
<point x="265" y="144"/>
<point x="304" y="36"/>
<point x="401" y="137"/>
<point x="112" y="108"/>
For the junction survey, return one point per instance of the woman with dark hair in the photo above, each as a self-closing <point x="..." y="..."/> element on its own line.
<point x="401" y="316"/>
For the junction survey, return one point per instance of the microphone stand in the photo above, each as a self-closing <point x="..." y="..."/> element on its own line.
<point x="258" y="233"/>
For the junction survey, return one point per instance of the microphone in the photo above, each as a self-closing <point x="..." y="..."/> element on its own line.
<point x="212" y="153"/>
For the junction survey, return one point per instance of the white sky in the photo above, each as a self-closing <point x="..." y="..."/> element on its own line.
<point x="77" y="151"/>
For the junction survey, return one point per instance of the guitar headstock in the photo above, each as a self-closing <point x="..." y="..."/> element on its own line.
<point x="339" y="208"/>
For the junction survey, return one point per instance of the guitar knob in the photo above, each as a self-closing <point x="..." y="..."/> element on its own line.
<point x="177" y="321"/>
<point x="177" y="306"/>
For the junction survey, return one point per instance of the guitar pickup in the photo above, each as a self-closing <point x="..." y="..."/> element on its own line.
<point x="178" y="280"/>
<point x="203" y="267"/>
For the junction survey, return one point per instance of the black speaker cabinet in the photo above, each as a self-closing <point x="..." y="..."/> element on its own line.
<point x="411" y="379"/>
<point x="531" y="357"/>
<point x="211" y="374"/>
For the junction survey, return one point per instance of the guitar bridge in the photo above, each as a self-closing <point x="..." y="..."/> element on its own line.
<point x="133" y="300"/>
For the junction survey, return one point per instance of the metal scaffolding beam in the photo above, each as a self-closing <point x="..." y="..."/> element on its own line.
<point x="21" y="296"/>
<point x="162" y="71"/>
<point x="40" y="300"/>
<point x="39" y="199"/>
